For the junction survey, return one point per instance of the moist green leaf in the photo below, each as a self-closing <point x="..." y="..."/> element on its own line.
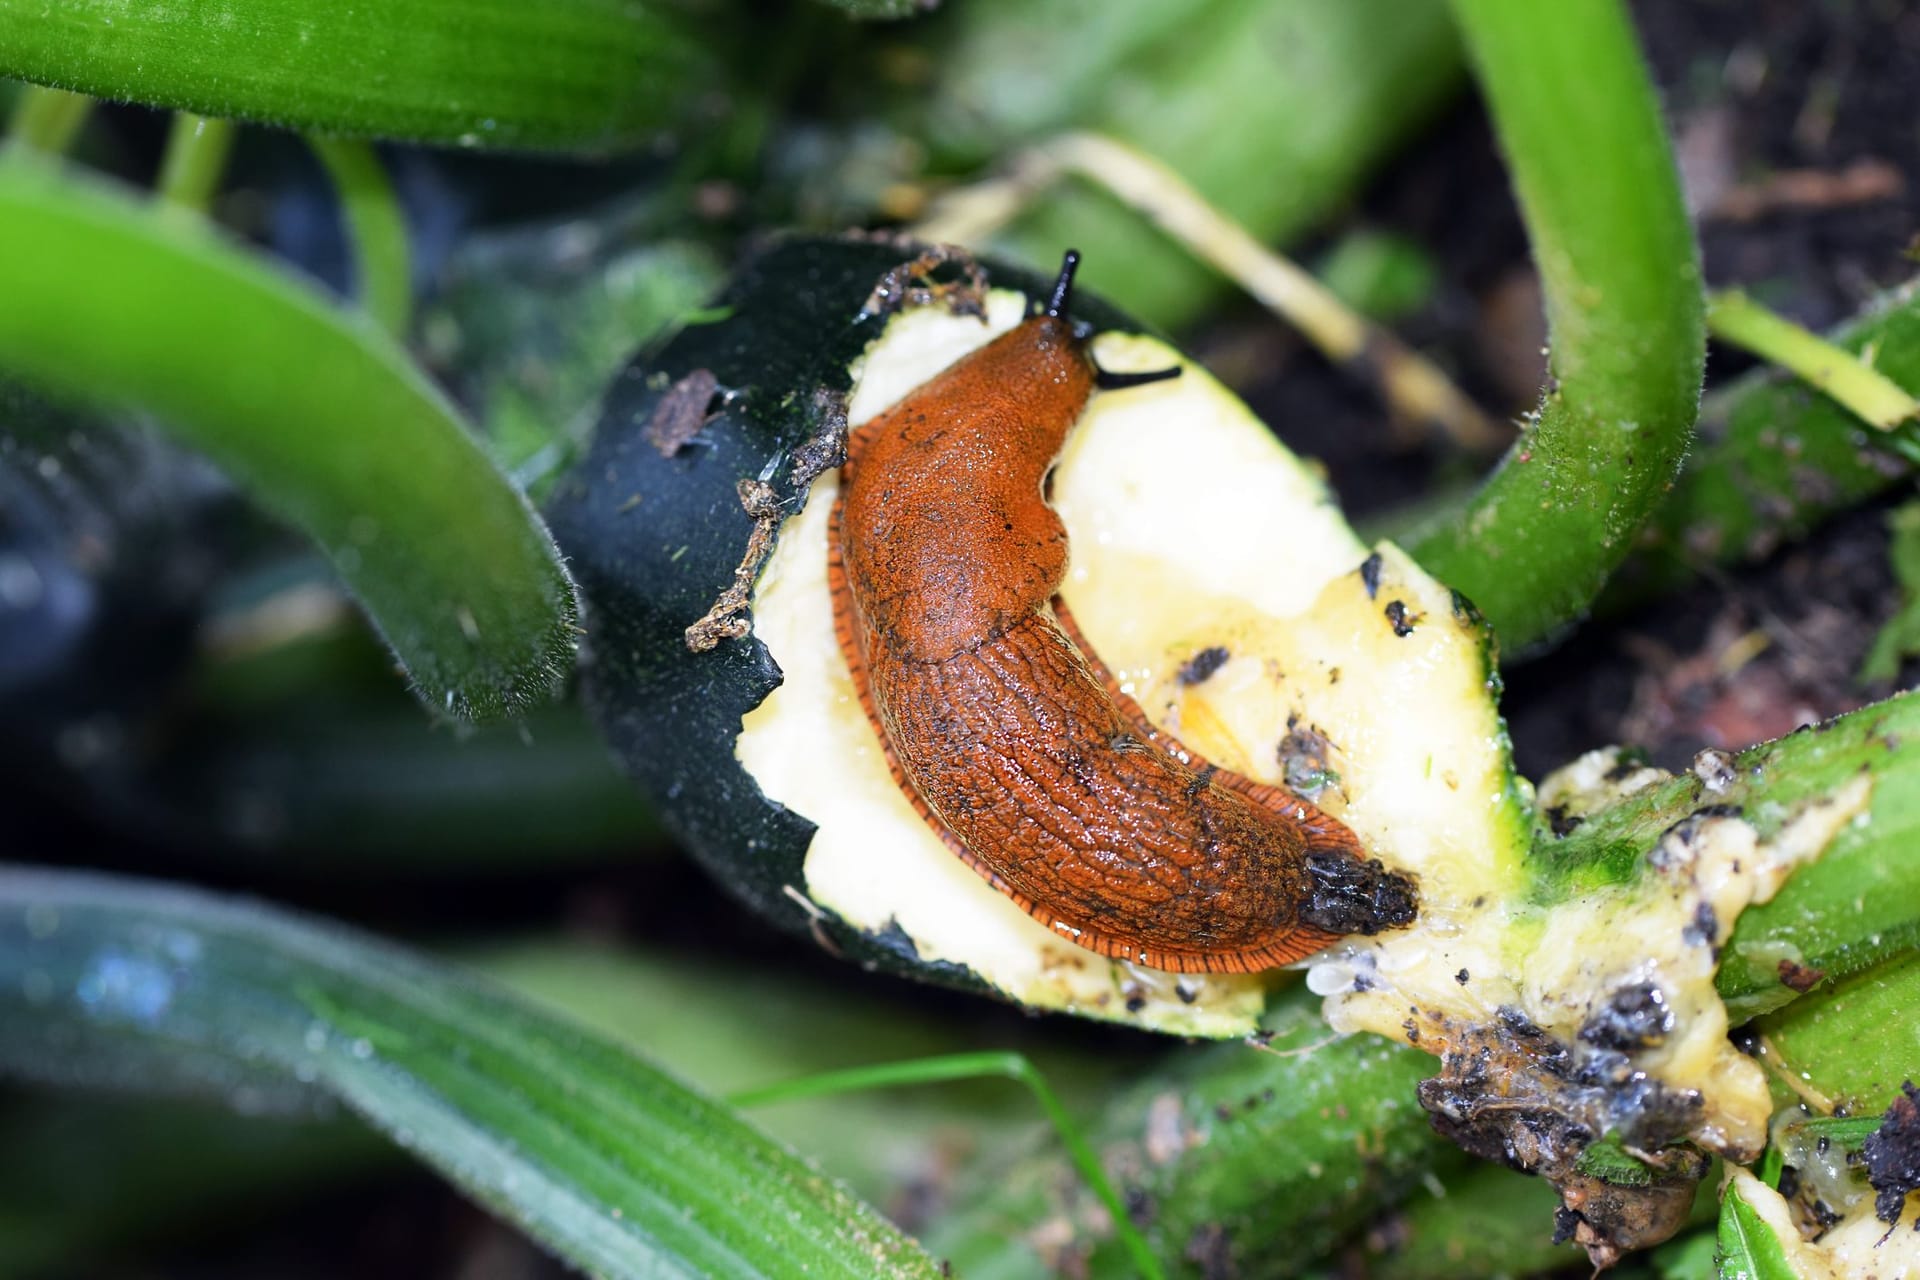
<point x="315" y="413"/>
<point x="616" y="1167"/>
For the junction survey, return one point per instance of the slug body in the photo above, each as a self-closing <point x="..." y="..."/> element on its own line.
<point x="946" y="558"/>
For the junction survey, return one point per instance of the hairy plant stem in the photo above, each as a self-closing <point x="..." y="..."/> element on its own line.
<point x="1581" y="126"/>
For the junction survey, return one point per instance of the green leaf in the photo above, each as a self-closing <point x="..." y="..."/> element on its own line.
<point x="315" y="413"/>
<point x="1581" y="125"/>
<point x="1609" y="1160"/>
<point x="1748" y="1248"/>
<point x="1853" y="1041"/>
<point x="1380" y="274"/>
<point x="619" y="1169"/>
<point x="592" y="75"/>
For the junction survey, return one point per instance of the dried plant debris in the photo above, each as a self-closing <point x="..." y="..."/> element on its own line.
<point x="679" y="414"/>
<point x="1511" y="1092"/>
<point x="1580" y="1034"/>
<point x="1892" y="1155"/>
<point x="821" y="452"/>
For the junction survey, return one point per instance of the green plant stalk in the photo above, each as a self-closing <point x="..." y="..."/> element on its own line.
<point x="1776" y="459"/>
<point x="1351" y="81"/>
<point x="973" y="1066"/>
<point x="1858" y="904"/>
<point x="1231" y="1155"/>
<point x="1870" y="395"/>
<point x="1581" y="126"/>
<point x="571" y="75"/>
<point x="601" y="1157"/>
<point x="194" y="161"/>
<point x="319" y="417"/>
<point x="376" y="230"/>
<point x="1491" y="1221"/>
<point x="47" y="120"/>
<point x="1852" y="1042"/>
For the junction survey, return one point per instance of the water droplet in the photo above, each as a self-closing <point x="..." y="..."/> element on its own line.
<point x="362" y="1048"/>
<point x="316" y="1037"/>
<point x="122" y="986"/>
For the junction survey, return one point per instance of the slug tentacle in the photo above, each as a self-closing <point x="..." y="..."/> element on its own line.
<point x="1006" y="732"/>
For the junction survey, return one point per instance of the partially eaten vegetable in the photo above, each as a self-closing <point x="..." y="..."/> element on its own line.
<point x="1209" y="571"/>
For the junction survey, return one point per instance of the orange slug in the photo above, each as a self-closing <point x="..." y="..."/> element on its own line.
<point x="1010" y="737"/>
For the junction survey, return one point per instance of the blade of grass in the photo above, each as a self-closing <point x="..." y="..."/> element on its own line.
<point x="1581" y="126"/>
<point x="1876" y="399"/>
<point x="194" y="161"/>
<point x="376" y="230"/>
<point x="585" y="75"/>
<point x="616" y="1167"/>
<point x="320" y="418"/>
<point x="973" y="1066"/>
<point x="47" y="120"/>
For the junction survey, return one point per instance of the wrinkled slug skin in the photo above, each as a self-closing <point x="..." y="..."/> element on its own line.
<point x="1011" y="741"/>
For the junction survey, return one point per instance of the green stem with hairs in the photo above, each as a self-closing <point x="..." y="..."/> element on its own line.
<point x="376" y="229"/>
<point x="47" y="120"/>
<point x="1581" y="126"/>
<point x="568" y="75"/>
<point x="195" y="161"/>
<point x="1234" y="1152"/>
